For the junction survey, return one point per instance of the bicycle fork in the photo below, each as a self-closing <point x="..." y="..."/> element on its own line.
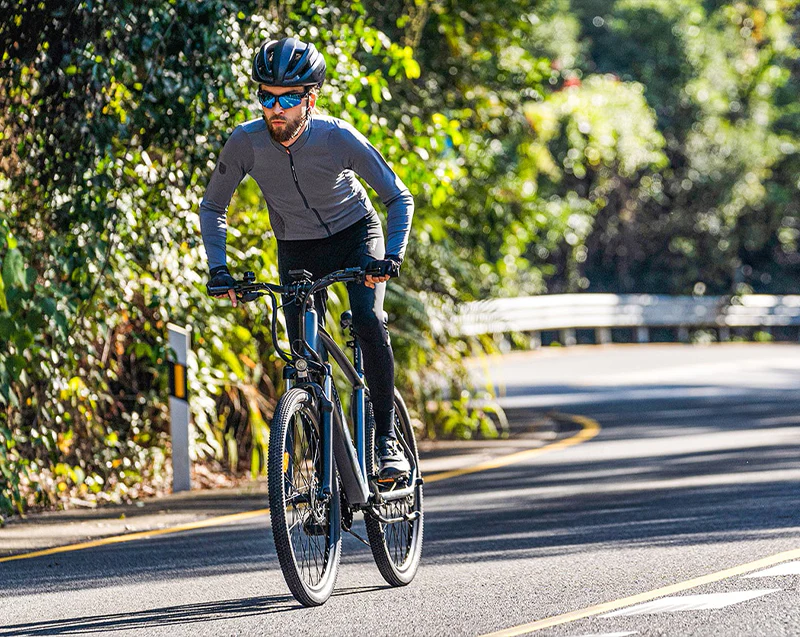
<point x="326" y="403"/>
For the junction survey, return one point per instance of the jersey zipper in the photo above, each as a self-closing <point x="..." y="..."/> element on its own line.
<point x="305" y="201"/>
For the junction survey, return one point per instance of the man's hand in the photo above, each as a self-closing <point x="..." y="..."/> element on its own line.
<point x="220" y="277"/>
<point x="382" y="270"/>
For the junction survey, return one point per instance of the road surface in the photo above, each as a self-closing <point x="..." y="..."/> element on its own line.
<point x="677" y="513"/>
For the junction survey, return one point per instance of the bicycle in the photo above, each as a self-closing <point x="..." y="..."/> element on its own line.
<point x="318" y="477"/>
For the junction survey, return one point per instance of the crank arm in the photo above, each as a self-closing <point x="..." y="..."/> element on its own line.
<point x="408" y="517"/>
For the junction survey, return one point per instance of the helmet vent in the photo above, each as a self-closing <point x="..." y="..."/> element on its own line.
<point x="288" y="62"/>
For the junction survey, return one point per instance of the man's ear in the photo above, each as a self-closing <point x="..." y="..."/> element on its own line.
<point x="312" y="100"/>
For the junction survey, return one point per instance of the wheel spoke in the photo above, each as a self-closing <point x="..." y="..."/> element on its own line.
<point x="300" y="521"/>
<point x="397" y="545"/>
<point x="301" y="482"/>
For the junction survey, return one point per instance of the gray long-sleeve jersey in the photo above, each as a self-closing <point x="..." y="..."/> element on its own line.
<point x="310" y="187"/>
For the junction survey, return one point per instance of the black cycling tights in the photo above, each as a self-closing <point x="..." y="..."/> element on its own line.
<point x="352" y="247"/>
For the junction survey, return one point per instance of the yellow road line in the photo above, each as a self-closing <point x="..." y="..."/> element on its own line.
<point x="589" y="429"/>
<point x="129" y="537"/>
<point x="607" y="607"/>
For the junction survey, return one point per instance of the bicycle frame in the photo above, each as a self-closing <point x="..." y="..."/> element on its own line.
<point x="318" y="478"/>
<point x="350" y="459"/>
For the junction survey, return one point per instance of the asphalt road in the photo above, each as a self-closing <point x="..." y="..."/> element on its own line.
<point x="694" y="472"/>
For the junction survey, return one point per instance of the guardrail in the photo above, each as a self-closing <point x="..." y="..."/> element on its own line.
<point x="567" y="313"/>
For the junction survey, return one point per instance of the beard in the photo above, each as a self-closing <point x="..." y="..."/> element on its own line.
<point x="289" y="129"/>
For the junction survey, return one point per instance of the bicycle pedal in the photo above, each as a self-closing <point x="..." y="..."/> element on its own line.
<point x="399" y="480"/>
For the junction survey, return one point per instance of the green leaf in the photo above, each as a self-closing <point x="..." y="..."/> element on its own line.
<point x="23" y="340"/>
<point x="412" y="68"/>
<point x="61" y="322"/>
<point x="15" y="365"/>
<point x="7" y="395"/>
<point x="143" y="350"/>
<point x="14" y="269"/>
<point x="48" y="307"/>
<point x="7" y="327"/>
<point x="376" y="93"/>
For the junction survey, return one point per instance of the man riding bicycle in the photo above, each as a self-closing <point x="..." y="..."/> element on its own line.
<point x="305" y="165"/>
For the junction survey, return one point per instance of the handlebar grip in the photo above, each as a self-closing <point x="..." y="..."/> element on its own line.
<point x="217" y="290"/>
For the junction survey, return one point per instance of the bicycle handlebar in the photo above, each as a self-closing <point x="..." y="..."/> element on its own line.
<point x="247" y="289"/>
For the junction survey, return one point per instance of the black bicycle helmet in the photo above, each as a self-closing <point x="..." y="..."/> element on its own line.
<point x="288" y="62"/>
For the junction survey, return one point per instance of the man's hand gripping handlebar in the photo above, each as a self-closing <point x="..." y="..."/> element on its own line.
<point x="248" y="289"/>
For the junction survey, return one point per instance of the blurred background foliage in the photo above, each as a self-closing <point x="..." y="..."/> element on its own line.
<point x="551" y="146"/>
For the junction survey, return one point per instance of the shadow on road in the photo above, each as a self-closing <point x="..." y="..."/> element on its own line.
<point x="639" y="489"/>
<point x="170" y="616"/>
<point x="564" y="503"/>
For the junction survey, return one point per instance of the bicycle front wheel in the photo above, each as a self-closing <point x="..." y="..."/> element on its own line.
<point x="397" y="545"/>
<point x="306" y="528"/>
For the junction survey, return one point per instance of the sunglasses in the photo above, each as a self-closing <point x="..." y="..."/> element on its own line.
<point x="287" y="100"/>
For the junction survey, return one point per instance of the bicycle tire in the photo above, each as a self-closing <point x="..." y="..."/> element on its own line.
<point x="396" y="547"/>
<point x="307" y="532"/>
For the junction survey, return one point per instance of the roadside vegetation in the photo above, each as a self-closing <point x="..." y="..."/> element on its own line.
<point x="551" y="146"/>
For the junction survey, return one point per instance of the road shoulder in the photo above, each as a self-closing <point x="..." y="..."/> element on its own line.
<point x="45" y="530"/>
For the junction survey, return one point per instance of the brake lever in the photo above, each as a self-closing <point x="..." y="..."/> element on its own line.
<point x="352" y="274"/>
<point x="246" y="297"/>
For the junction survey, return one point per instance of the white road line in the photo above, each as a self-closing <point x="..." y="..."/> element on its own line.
<point x="691" y="602"/>
<point x="788" y="568"/>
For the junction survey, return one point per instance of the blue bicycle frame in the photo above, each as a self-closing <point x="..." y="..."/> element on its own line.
<point x="336" y="439"/>
<point x="310" y="363"/>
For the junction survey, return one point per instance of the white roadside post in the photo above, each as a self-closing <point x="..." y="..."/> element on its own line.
<point x="568" y="337"/>
<point x="179" y="408"/>
<point x="602" y="336"/>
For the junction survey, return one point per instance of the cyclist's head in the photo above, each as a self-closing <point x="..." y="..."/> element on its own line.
<point x="288" y="62"/>
<point x="286" y="110"/>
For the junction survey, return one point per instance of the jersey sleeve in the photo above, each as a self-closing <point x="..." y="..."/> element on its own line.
<point x="359" y="155"/>
<point x="235" y="161"/>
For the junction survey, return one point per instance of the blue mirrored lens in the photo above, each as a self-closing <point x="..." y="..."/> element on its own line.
<point x="290" y="100"/>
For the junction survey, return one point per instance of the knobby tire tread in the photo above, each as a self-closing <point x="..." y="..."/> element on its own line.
<point x="375" y="529"/>
<point x="291" y="402"/>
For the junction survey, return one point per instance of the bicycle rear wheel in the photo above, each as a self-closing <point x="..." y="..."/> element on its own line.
<point x="396" y="546"/>
<point x="306" y="529"/>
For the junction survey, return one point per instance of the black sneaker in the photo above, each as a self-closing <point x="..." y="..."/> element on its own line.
<point x="392" y="462"/>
